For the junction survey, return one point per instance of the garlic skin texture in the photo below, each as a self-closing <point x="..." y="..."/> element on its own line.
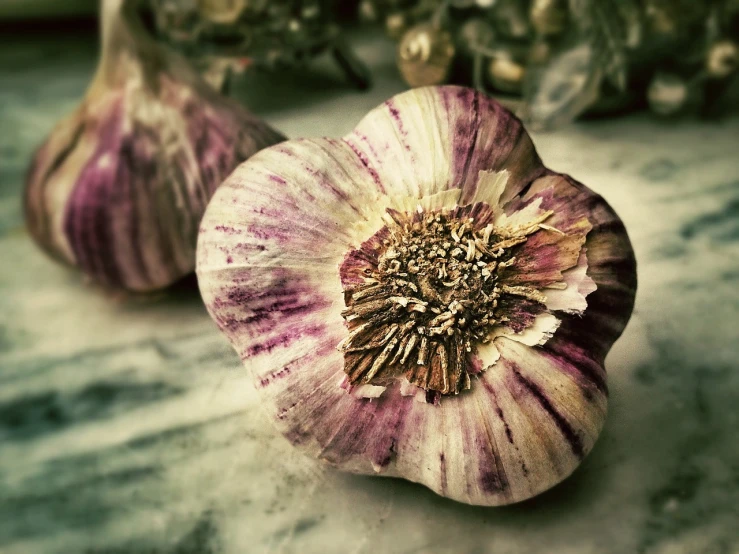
<point x="303" y="265"/>
<point x="119" y="187"/>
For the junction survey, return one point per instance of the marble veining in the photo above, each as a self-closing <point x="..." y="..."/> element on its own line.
<point x="127" y="425"/>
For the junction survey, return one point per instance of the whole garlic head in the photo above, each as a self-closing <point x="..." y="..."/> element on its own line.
<point x="423" y="298"/>
<point x="119" y="187"/>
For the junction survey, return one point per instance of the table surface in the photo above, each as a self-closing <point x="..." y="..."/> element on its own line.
<point x="129" y="425"/>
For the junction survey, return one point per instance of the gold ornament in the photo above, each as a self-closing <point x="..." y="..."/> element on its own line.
<point x="722" y="59"/>
<point x="425" y="55"/>
<point x="222" y="12"/>
<point x="506" y="75"/>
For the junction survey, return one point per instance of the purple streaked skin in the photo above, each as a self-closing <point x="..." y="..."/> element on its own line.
<point x="365" y="160"/>
<point x="568" y="432"/>
<point x="527" y="421"/>
<point x="276" y="315"/>
<point x="118" y="191"/>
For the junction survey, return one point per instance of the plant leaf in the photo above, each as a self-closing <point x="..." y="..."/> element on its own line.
<point x="562" y="87"/>
<point x="606" y="26"/>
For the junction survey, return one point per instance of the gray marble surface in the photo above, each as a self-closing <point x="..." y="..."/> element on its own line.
<point x="127" y="425"/>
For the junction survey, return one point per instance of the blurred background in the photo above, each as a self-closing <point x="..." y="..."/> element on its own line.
<point x="553" y="59"/>
<point x="127" y="423"/>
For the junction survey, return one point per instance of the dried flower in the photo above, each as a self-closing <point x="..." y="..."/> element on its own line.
<point x="423" y="298"/>
<point x="119" y="187"/>
<point x="548" y="17"/>
<point x="223" y="11"/>
<point x="505" y="74"/>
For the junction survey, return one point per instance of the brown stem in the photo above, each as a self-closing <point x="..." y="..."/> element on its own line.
<point x="121" y="33"/>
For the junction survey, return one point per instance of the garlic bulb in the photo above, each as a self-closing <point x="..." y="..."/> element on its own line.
<point x="423" y="298"/>
<point x="119" y="187"/>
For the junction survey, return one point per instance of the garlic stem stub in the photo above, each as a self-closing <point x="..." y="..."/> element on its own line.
<point x="119" y="187"/>
<point x="423" y="298"/>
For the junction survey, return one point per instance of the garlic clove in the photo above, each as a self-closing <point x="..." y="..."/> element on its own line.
<point x="276" y="183"/>
<point x="436" y="138"/>
<point x="119" y="187"/>
<point x="290" y="253"/>
<point x="611" y="265"/>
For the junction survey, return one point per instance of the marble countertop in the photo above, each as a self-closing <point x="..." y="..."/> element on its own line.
<point x="129" y="426"/>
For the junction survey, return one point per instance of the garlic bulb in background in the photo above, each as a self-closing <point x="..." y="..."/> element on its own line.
<point x="423" y="298"/>
<point x="119" y="187"/>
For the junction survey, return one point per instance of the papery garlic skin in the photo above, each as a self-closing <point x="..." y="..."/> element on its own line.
<point x="119" y="187"/>
<point x="270" y="252"/>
